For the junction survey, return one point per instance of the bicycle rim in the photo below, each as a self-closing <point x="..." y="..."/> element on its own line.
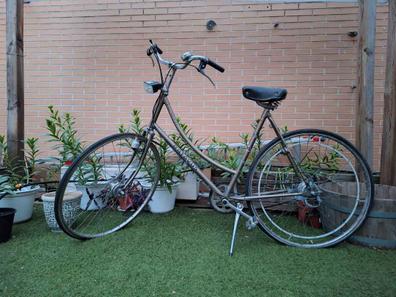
<point x="107" y="186"/>
<point x="336" y="189"/>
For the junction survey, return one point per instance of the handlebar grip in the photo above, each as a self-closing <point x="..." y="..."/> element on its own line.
<point x="215" y="65"/>
<point x="158" y="49"/>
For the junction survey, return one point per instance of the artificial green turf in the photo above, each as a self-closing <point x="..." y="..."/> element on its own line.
<point x="185" y="253"/>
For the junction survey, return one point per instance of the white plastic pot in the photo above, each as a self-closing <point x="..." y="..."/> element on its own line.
<point x="162" y="200"/>
<point x="22" y="201"/>
<point x="189" y="188"/>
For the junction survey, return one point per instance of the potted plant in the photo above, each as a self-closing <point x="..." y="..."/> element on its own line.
<point x="61" y="130"/>
<point x="163" y="199"/>
<point x="15" y="191"/>
<point x="188" y="188"/>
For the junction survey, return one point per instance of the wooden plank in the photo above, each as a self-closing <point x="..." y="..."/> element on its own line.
<point x="366" y="63"/>
<point x="15" y="79"/>
<point x="388" y="151"/>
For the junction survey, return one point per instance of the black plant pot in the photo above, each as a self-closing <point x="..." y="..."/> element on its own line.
<point x="6" y="221"/>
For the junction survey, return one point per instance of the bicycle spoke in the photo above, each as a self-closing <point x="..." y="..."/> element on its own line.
<point x="106" y="204"/>
<point x="312" y="218"/>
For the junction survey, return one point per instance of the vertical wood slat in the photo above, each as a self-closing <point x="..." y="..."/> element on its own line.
<point x="388" y="151"/>
<point x="15" y="79"/>
<point x="366" y="69"/>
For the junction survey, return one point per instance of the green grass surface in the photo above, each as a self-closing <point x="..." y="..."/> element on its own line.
<point x="185" y="253"/>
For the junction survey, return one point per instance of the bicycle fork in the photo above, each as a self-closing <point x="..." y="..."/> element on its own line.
<point x="250" y="224"/>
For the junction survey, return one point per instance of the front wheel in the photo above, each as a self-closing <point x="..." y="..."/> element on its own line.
<point x="107" y="186"/>
<point x="333" y="182"/>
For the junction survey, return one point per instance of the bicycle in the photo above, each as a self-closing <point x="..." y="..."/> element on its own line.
<point x="306" y="188"/>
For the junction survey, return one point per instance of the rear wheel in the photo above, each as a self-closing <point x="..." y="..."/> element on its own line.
<point x="335" y="187"/>
<point x="107" y="186"/>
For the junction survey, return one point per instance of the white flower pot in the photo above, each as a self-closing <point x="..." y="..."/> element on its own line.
<point x="95" y="189"/>
<point x="71" y="207"/>
<point x="189" y="188"/>
<point x="162" y="200"/>
<point x="22" y="201"/>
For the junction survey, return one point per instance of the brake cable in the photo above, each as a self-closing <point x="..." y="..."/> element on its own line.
<point x="201" y="70"/>
<point x="150" y="52"/>
<point x="160" y="69"/>
<point x="152" y="60"/>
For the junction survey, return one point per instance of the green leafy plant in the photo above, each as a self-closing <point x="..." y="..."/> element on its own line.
<point x="329" y="161"/>
<point x="5" y="186"/>
<point x="170" y="171"/>
<point x="90" y="171"/>
<point x="135" y="124"/>
<point x="217" y="150"/>
<point x="284" y="129"/>
<point x="31" y="156"/>
<point x="179" y="141"/>
<point x="230" y="157"/>
<point x="312" y="164"/>
<point x="18" y="174"/>
<point x="61" y="130"/>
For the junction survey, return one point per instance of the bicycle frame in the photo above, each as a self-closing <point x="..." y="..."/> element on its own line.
<point x="154" y="127"/>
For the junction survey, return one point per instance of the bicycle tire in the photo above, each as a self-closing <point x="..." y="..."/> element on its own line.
<point x="340" y="198"/>
<point x="105" y="205"/>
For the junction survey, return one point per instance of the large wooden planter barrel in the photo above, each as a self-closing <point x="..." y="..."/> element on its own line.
<point x="379" y="229"/>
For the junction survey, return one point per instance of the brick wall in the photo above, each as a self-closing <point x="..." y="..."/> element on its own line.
<point x="88" y="57"/>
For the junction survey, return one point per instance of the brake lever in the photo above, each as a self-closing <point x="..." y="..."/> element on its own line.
<point x="201" y="69"/>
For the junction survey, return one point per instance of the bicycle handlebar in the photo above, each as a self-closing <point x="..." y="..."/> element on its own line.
<point x="187" y="58"/>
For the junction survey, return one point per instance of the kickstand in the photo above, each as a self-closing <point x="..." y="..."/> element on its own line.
<point x="234" y="231"/>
